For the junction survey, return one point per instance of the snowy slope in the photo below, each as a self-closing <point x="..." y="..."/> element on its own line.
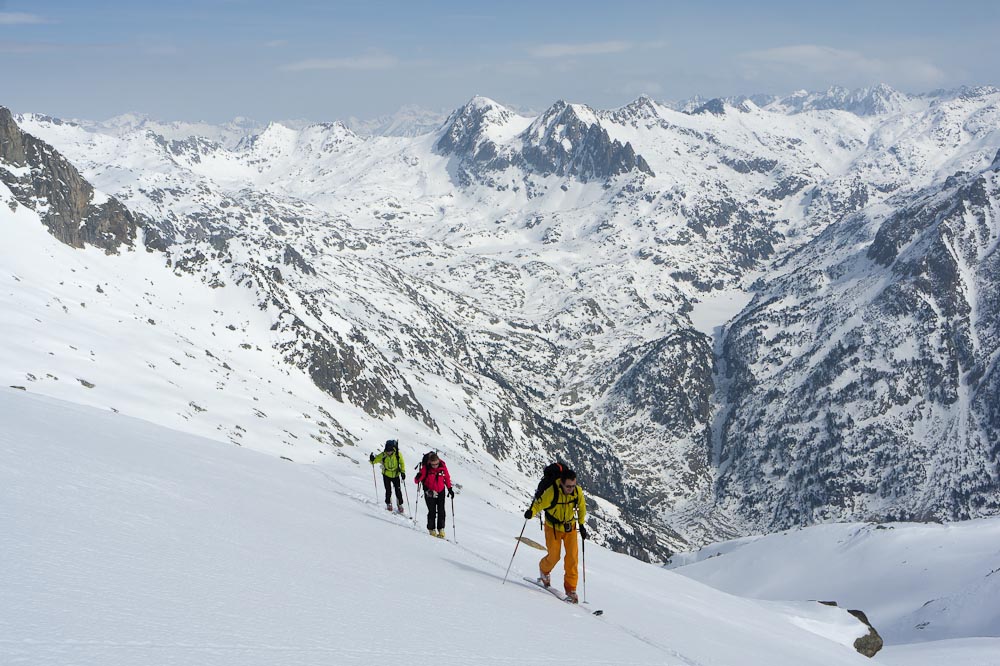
<point x="132" y="543"/>
<point x="916" y="582"/>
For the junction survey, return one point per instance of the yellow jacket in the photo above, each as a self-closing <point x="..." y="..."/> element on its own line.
<point x="392" y="463"/>
<point x="562" y="511"/>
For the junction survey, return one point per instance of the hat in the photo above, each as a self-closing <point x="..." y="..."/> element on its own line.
<point x="391" y="444"/>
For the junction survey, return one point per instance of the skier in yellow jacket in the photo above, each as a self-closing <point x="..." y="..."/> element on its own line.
<point x="393" y="469"/>
<point x="564" y="509"/>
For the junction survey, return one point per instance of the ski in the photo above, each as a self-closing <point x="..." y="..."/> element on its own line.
<point x="557" y="594"/>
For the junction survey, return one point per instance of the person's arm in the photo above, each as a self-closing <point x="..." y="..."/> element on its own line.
<point x="581" y="512"/>
<point x="447" y="480"/>
<point x="402" y="466"/>
<point x="377" y="460"/>
<point x="542" y="502"/>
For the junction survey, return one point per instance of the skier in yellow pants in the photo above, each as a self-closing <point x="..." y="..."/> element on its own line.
<point x="564" y="508"/>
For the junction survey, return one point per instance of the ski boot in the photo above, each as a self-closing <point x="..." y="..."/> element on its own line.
<point x="571" y="597"/>
<point x="388" y="506"/>
<point x="440" y="534"/>
<point x="432" y="532"/>
<point x="544" y="579"/>
<point x="399" y="508"/>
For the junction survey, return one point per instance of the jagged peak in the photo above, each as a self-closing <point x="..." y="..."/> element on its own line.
<point x="482" y="102"/>
<point x="560" y="115"/>
<point x="642" y="103"/>
<point x="715" y="106"/>
<point x="275" y="135"/>
<point x="336" y="126"/>
<point x="479" y="120"/>
<point x="642" y="108"/>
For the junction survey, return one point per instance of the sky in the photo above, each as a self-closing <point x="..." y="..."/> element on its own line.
<point x="214" y="60"/>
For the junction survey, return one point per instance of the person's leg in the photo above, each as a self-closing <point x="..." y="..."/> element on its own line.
<point x="387" y="482"/>
<point x="431" y="506"/>
<point x="441" y="518"/>
<point x="552" y="547"/>
<point x="399" y="491"/>
<point x="569" y="564"/>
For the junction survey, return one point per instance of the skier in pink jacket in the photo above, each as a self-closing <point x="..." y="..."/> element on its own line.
<point x="436" y="480"/>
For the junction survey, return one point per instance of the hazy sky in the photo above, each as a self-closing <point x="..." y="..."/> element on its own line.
<point x="216" y="59"/>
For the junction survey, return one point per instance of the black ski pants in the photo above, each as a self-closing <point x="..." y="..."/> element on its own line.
<point x="435" y="510"/>
<point x="391" y="482"/>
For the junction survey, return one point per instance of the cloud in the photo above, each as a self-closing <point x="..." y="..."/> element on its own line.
<point x="839" y="66"/>
<point x="365" y="62"/>
<point x="589" y="48"/>
<point x="17" y="18"/>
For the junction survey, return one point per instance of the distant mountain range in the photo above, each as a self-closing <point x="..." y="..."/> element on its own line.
<point x="731" y="315"/>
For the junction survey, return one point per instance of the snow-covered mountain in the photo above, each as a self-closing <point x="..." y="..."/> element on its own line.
<point x="863" y="380"/>
<point x="525" y="287"/>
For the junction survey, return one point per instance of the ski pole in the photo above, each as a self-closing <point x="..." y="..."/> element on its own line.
<point x="403" y="481"/>
<point x="375" y="482"/>
<point x="454" y="533"/>
<point x="515" y="551"/>
<point x="584" y="546"/>
<point x="416" y="503"/>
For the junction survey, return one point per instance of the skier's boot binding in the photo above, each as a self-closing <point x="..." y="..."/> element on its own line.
<point x="544" y="579"/>
<point x="440" y="534"/>
<point x="571" y="597"/>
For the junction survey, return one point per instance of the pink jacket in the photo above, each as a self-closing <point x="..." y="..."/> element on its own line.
<point x="435" y="480"/>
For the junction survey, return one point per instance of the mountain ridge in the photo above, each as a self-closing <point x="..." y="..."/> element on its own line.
<point x="512" y="294"/>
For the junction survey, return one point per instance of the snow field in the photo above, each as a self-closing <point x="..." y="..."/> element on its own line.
<point x="131" y="543"/>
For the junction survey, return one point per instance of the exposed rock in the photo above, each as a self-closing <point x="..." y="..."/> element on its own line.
<point x="871" y="643"/>
<point x="67" y="203"/>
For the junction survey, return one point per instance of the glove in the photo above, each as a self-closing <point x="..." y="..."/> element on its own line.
<point x="451" y="493"/>
<point x="402" y="475"/>
<point x="583" y="531"/>
<point x="371" y="457"/>
<point x="527" y="514"/>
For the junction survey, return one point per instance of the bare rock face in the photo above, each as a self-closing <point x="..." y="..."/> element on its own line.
<point x="66" y="202"/>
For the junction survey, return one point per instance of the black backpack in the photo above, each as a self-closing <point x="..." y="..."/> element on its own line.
<point x="423" y="462"/>
<point x="550" y="475"/>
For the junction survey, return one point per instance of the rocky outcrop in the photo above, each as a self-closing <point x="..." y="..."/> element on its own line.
<point x="567" y="141"/>
<point x="68" y="205"/>
<point x="869" y="644"/>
